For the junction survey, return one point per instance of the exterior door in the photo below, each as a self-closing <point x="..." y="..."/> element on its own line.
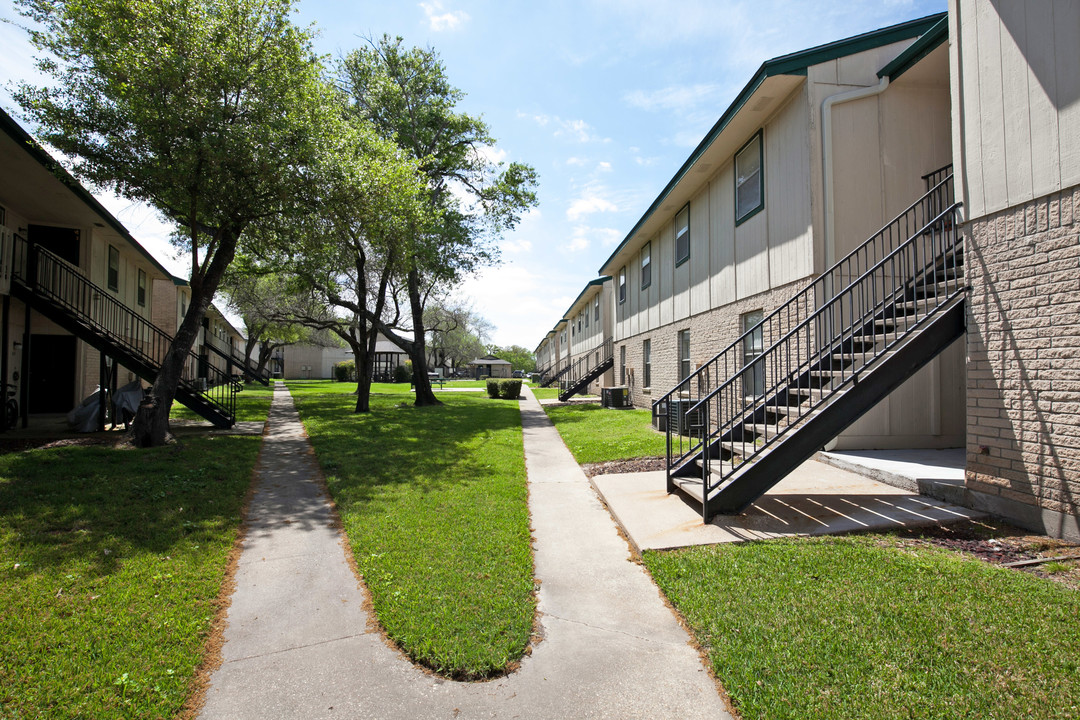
<point x="51" y="374"/>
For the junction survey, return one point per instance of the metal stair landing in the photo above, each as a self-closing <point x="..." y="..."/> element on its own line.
<point x="58" y="291"/>
<point x="830" y="354"/>
<point x="582" y="373"/>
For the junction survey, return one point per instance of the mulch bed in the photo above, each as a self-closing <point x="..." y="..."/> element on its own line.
<point x="613" y="467"/>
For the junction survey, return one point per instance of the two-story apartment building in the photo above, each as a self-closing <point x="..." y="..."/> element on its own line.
<point x="78" y="301"/>
<point x="821" y="148"/>
<point x="817" y="153"/>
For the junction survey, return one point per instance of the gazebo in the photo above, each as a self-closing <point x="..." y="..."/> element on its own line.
<point x="491" y="366"/>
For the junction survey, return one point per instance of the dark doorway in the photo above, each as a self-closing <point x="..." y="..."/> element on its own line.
<point x="52" y="373"/>
<point x="57" y="240"/>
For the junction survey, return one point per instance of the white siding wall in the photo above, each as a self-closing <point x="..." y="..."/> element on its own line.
<point x="729" y="263"/>
<point x="1016" y="89"/>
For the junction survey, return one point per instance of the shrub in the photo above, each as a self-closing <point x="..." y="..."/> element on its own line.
<point x="509" y="389"/>
<point x="403" y="373"/>
<point x="345" y="371"/>
<point x="493" y="388"/>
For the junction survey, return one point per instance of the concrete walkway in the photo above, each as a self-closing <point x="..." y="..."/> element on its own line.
<point x="298" y="643"/>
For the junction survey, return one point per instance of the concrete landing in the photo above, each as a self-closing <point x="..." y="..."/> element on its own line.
<point x="815" y="499"/>
<point x="935" y="473"/>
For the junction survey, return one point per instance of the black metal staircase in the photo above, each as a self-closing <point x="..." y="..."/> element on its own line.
<point x="552" y="374"/>
<point x="54" y="288"/>
<point x="735" y="428"/>
<point x="587" y="368"/>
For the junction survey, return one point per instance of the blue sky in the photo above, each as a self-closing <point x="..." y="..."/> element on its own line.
<point x="605" y="98"/>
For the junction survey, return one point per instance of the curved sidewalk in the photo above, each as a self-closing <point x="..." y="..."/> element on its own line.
<point x="298" y="643"/>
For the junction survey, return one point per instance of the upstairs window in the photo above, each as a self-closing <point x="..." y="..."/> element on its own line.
<point x="682" y="235"/>
<point x="622" y="284"/>
<point x="142" y="289"/>
<point x="114" y="269"/>
<point x="646" y="265"/>
<point x="749" y="180"/>
<point x="586" y="314"/>
<point x="596" y="309"/>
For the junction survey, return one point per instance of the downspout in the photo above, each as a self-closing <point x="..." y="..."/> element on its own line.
<point x="827" y="170"/>
<point x="826" y="160"/>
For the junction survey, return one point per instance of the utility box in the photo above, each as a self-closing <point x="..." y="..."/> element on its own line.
<point x="676" y="413"/>
<point x="615" y="397"/>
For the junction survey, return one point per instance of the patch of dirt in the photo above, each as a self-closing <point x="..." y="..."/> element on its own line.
<point x="12" y="445"/>
<point x="999" y="543"/>
<point x="613" y="467"/>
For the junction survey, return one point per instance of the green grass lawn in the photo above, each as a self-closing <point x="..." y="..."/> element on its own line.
<point x="597" y="434"/>
<point x="874" y="627"/>
<point x="110" y="563"/>
<point x="434" y="504"/>
<point x="252" y="403"/>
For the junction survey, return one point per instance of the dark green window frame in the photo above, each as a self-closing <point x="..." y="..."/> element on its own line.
<point x="646" y="265"/>
<point x="742" y="214"/>
<point x="622" y="284"/>
<point x="682" y="236"/>
<point x="113" y="278"/>
<point x="142" y="288"/>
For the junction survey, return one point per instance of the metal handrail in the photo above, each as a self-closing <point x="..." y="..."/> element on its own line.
<point x="238" y="360"/>
<point x="576" y="369"/>
<point x="730" y="362"/>
<point x="47" y="275"/>
<point x="926" y="258"/>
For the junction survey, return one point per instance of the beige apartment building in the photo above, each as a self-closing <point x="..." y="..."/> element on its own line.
<point x="852" y="147"/>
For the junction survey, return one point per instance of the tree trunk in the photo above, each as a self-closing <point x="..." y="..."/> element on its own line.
<point x="151" y="425"/>
<point x="417" y="349"/>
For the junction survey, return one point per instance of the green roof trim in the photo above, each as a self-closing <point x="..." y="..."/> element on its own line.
<point x="592" y="283"/>
<point x="926" y="44"/>
<point x="34" y="150"/>
<point x="792" y="64"/>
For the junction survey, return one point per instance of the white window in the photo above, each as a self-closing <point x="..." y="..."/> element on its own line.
<point x="622" y="284"/>
<point x="753" y="346"/>
<point x="684" y="354"/>
<point x="646" y="362"/>
<point x="682" y="235"/>
<point x="646" y="265"/>
<point x="749" y="180"/>
<point x="596" y="309"/>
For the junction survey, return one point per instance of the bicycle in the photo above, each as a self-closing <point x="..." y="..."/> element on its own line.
<point x="11" y="407"/>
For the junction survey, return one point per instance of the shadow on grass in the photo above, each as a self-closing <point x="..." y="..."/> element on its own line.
<point x="85" y="504"/>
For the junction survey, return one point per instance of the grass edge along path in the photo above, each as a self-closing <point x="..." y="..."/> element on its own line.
<point x="597" y="434"/>
<point x="867" y="626"/>
<point x="434" y="505"/>
<point x="112" y="568"/>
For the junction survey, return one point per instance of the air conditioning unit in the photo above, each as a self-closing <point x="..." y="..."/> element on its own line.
<point x="615" y="397"/>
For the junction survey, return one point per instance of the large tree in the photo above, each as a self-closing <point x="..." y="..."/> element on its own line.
<point x="208" y="110"/>
<point x="458" y="334"/>
<point x="406" y="95"/>
<point x="347" y="257"/>
<point x="267" y="304"/>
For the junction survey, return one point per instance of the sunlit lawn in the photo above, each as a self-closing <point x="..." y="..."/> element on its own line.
<point x="110" y="563"/>
<point x="434" y="504"/>
<point x="597" y="434"/>
<point x="871" y="627"/>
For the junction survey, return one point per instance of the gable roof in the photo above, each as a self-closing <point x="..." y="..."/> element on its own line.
<point x="34" y="149"/>
<point x="793" y="64"/>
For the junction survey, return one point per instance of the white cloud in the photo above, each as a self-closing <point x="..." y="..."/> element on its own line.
<point x="577" y="130"/>
<point x="439" y="20"/>
<point x="673" y="98"/>
<point x="603" y="166"/>
<point x="583" y="237"/>
<point x="522" y="305"/>
<point x="588" y="204"/>
<point x="491" y="154"/>
<point x="575" y="161"/>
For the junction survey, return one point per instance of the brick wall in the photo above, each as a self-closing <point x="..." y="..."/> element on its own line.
<point x="710" y="332"/>
<point x="1023" y="366"/>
